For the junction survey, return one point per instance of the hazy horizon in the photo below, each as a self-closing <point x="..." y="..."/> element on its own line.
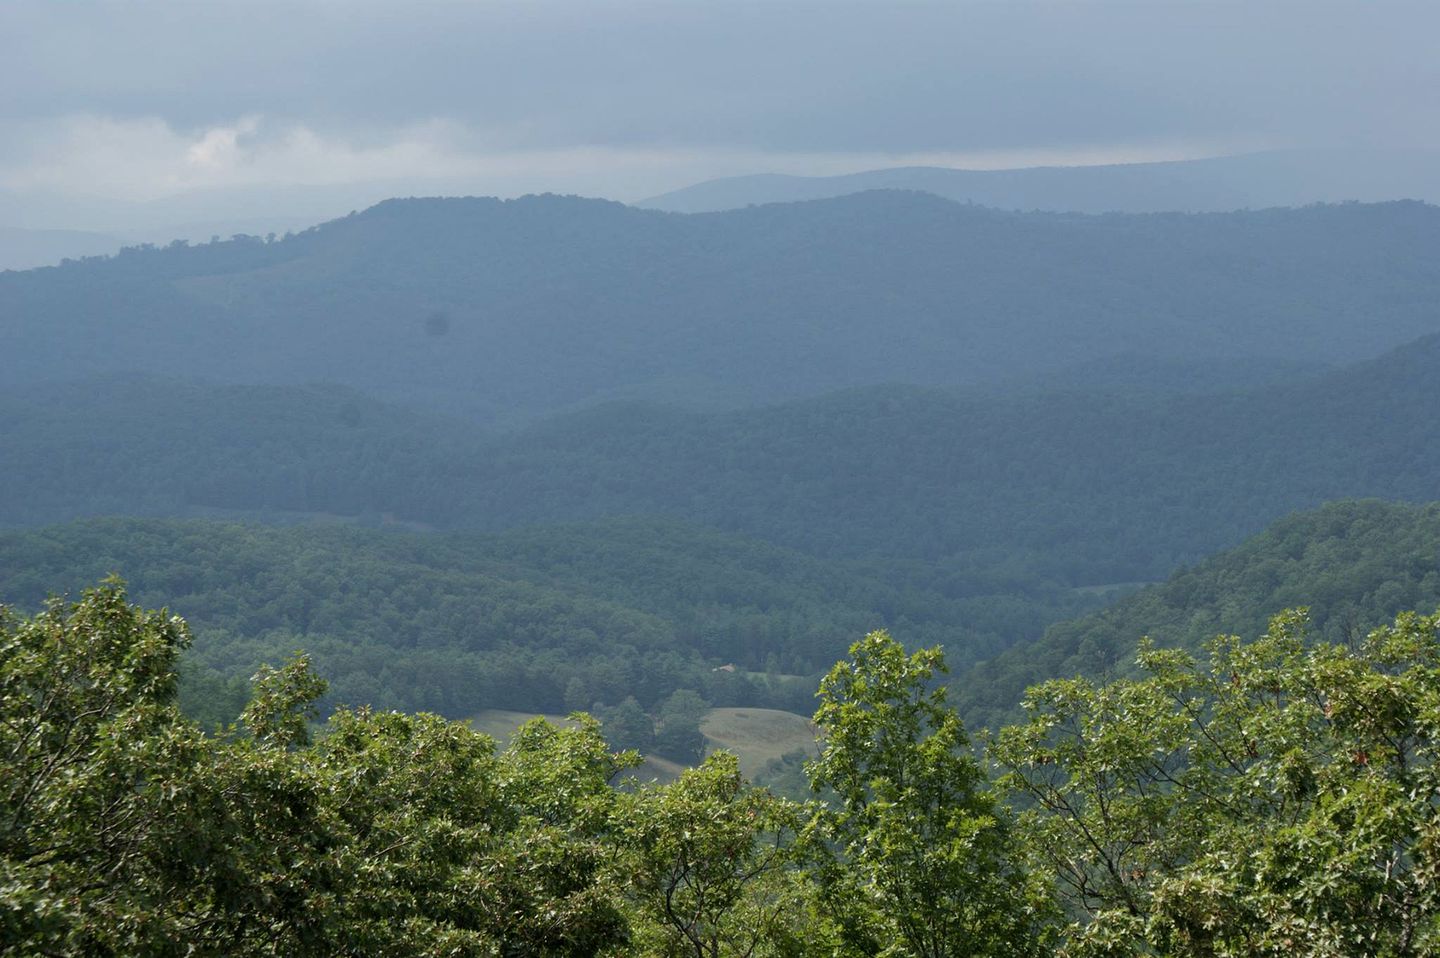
<point x="151" y="115"/>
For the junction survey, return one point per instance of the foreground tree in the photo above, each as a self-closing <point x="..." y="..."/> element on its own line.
<point x="921" y="862"/>
<point x="1277" y="799"/>
<point x="710" y="863"/>
<point x="92" y="754"/>
<point x="124" y="830"/>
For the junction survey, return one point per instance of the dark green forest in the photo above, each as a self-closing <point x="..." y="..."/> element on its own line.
<point x="546" y="620"/>
<point x="1082" y="487"/>
<point x="585" y="616"/>
<point x="1350" y="564"/>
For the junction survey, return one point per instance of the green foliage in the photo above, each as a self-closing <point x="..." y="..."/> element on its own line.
<point x="553" y="877"/>
<point x="283" y="703"/>
<point x="1274" y="799"/>
<point x="1354" y="565"/>
<point x="922" y="860"/>
<point x="211" y="699"/>
<point x="679" y="718"/>
<point x="86" y="713"/>
<point x="126" y="831"/>
<point x="708" y="861"/>
<point x="627" y="727"/>
<point x="544" y="620"/>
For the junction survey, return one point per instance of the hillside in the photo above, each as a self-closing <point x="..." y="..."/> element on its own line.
<point x="506" y="310"/>
<point x="553" y="619"/>
<point x="170" y="447"/>
<point x="538" y="620"/>
<point x="1081" y="487"/>
<point x="1089" y="487"/>
<point x="1355" y="565"/>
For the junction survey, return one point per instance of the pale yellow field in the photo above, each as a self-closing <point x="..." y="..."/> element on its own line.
<point x="758" y="735"/>
<point x="657" y="769"/>
<point x="500" y="724"/>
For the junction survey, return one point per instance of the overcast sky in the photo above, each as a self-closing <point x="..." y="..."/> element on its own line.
<point x="136" y="101"/>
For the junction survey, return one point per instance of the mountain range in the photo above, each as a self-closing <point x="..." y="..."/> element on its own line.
<point x="1218" y="184"/>
<point x="506" y="311"/>
<point x="1081" y="485"/>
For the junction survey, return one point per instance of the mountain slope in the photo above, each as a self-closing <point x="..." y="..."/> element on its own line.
<point x="166" y="447"/>
<point x="1081" y="487"/>
<point x="1088" y="487"/>
<point x="1354" y="564"/>
<point x="505" y="309"/>
<point x="461" y="622"/>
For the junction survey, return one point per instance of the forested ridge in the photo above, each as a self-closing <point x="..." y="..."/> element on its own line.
<point x="1080" y="486"/>
<point x="543" y="620"/>
<point x="504" y="310"/>
<point x="585" y="616"/>
<point x="1350" y="564"/>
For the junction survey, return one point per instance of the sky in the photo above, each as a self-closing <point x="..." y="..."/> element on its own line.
<point x="210" y="108"/>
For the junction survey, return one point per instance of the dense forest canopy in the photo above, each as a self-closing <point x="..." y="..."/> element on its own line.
<point x="1114" y="481"/>
<point x="590" y="615"/>
<point x="1352" y="565"/>
<point x="544" y="619"/>
<point x="508" y="309"/>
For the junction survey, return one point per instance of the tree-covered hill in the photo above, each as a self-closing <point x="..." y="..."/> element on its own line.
<point x="1089" y="487"/>
<point x="503" y="309"/>
<point x="1082" y="487"/>
<point x="539" y="620"/>
<point x="1354" y="564"/>
<point x="133" y="445"/>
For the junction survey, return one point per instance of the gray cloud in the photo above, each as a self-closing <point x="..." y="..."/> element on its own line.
<point x="632" y="98"/>
<point x="767" y="75"/>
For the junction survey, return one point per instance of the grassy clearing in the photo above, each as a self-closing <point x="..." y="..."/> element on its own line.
<point x="1111" y="589"/>
<point x="658" y="769"/>
<point x="500" y="724"/>
<point x="758" y="735"/>
<point x="755" y="735"/>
